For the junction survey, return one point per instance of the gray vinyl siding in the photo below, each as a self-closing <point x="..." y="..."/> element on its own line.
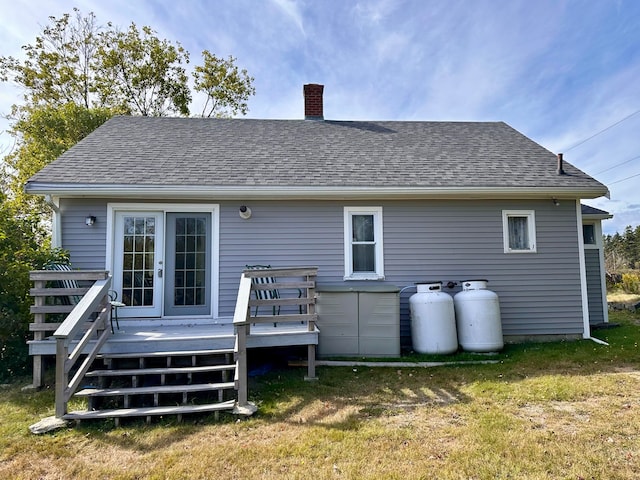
<point x="452" y="241"/>
<point x="442" y="240"/>
<point x="86" y="244"/>
<point x="423" y="240"/>
<point x="594" y="285"/>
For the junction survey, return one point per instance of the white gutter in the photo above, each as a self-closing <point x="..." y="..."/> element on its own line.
<point x="586" y="333"/>
<point x="304" y="192"/>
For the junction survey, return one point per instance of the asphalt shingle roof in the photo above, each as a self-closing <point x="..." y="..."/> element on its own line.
<point x="588" y="210"/>
<point x="298" y="153"/>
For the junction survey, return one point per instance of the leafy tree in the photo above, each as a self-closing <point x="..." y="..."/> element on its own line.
<point x="75" y="60"/>
<point x="77" y="74"/>
<point x="613" y="259"/>
<point x="622" y="251"/>
<point x="141" y="74"/>
<point x="227" y="89"/>
<point x="59" y="67"/>
<point x="44" y="133"/>
<point x="23" y="247"/>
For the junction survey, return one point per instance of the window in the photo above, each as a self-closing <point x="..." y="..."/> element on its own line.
<point x="363" y="255"/>
<point x="519" y="231"/>
<point x="589" y="234"/>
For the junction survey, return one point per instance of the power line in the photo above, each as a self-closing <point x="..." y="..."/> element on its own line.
<point x="602" y="131"/>
<point x="617" y="165"/>
<point x="623" y="179"/>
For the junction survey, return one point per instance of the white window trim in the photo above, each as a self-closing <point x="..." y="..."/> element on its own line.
<point x="597" y="232"/>
<point x="349" y="274"/>
<point x="531" y="226"/>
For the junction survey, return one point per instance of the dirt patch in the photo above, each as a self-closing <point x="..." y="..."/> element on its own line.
<point x="629" y="372"/>
<point x="327" y="413"/>
<point x="559" y="417"/>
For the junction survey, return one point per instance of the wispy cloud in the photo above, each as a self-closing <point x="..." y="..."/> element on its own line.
<point x="290" y="8"/>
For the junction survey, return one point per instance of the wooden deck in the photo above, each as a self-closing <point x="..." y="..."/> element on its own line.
<point x="159" y="347"/>
<point x="186" y="336"/>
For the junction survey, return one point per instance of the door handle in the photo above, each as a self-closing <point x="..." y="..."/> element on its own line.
<point x="159" y="273"/>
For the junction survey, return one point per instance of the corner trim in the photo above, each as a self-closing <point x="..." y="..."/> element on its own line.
<point x="586" y="333"/>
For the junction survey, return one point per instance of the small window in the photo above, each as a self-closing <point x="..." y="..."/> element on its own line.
<point x="589" y="234"/>
<point x="519" y="231"/>
<point x="363" y="243"/>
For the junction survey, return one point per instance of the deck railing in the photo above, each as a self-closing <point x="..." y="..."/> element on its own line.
<point x="57" y="293"/>
<point x="295" y="303"/>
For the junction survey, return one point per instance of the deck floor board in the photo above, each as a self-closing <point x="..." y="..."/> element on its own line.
<point x="146" y="337"/>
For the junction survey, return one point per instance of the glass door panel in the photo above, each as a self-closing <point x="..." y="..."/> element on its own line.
<point x="137" y="263"/>
<point x="188" y="264"/>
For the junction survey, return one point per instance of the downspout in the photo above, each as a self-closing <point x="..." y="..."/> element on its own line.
<point x="56" y="231"/>
<point x="586" y="333"/>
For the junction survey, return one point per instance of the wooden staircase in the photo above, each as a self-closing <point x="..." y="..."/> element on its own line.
<point x="157" y="384"/>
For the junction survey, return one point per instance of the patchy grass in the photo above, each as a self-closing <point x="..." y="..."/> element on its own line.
<point x="622" y="297"/>
<point x="546" y="411"/>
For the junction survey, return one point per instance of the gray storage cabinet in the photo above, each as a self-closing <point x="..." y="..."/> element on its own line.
<point x="359" y="320"/>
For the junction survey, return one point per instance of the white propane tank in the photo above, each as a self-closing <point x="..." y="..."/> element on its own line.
<point x="433" y="324"/>
<point x="478" y="317"/>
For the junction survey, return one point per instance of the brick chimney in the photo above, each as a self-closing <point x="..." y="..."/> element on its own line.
<point x="313" y="101"/>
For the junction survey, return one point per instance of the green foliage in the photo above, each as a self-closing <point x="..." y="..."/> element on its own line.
<point x="227" y="88"/>
<point x="59" y="65"/>
<point x="622" y="251"/>
<point x="23" y="247"/>
<point x="630" y="283"/>
<point x="44" y="133"/>
<point x="141" y="74"/>
<point x="132" y="72"/>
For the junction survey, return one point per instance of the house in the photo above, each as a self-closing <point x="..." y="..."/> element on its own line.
<point x="175" y="208"/>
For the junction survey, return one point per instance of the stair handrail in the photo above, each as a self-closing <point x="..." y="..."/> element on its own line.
<point x="96" y="296"/>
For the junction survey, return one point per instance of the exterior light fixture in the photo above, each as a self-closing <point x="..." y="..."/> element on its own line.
<point x="556" y="202"/>
<point x="89" y="220"/>
<point x="244" y="212"/>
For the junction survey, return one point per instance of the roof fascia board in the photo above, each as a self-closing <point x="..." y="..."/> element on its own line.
<point x="306" y="192"/>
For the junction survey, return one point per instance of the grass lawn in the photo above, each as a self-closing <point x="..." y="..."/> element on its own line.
<point x="567" y="410"/>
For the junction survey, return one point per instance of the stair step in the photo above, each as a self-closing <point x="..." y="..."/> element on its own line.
<point x="159" y="371"/>
<point x="148" y="411"/>
<point x="179" y="353"/>
<point x="112" y="392"/>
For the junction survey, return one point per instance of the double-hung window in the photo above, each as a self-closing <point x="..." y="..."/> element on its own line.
<point x="363" y="254"/>
<point x="589" y="234"/>
<point x="519" y="231"/>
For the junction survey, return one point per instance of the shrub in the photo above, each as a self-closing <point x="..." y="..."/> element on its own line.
<point x="630" y="283"/>
<point x="24" y="246"/>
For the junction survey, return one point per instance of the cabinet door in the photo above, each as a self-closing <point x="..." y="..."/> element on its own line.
<point x="338" y="323"/>
<point x="379" y="324"/>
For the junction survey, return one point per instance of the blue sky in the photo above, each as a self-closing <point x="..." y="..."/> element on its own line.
<point x="558" y="71"/>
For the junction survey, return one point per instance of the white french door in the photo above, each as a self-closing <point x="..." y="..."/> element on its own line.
<point x="138" y="262"/>
<point x="163" y="261"/>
